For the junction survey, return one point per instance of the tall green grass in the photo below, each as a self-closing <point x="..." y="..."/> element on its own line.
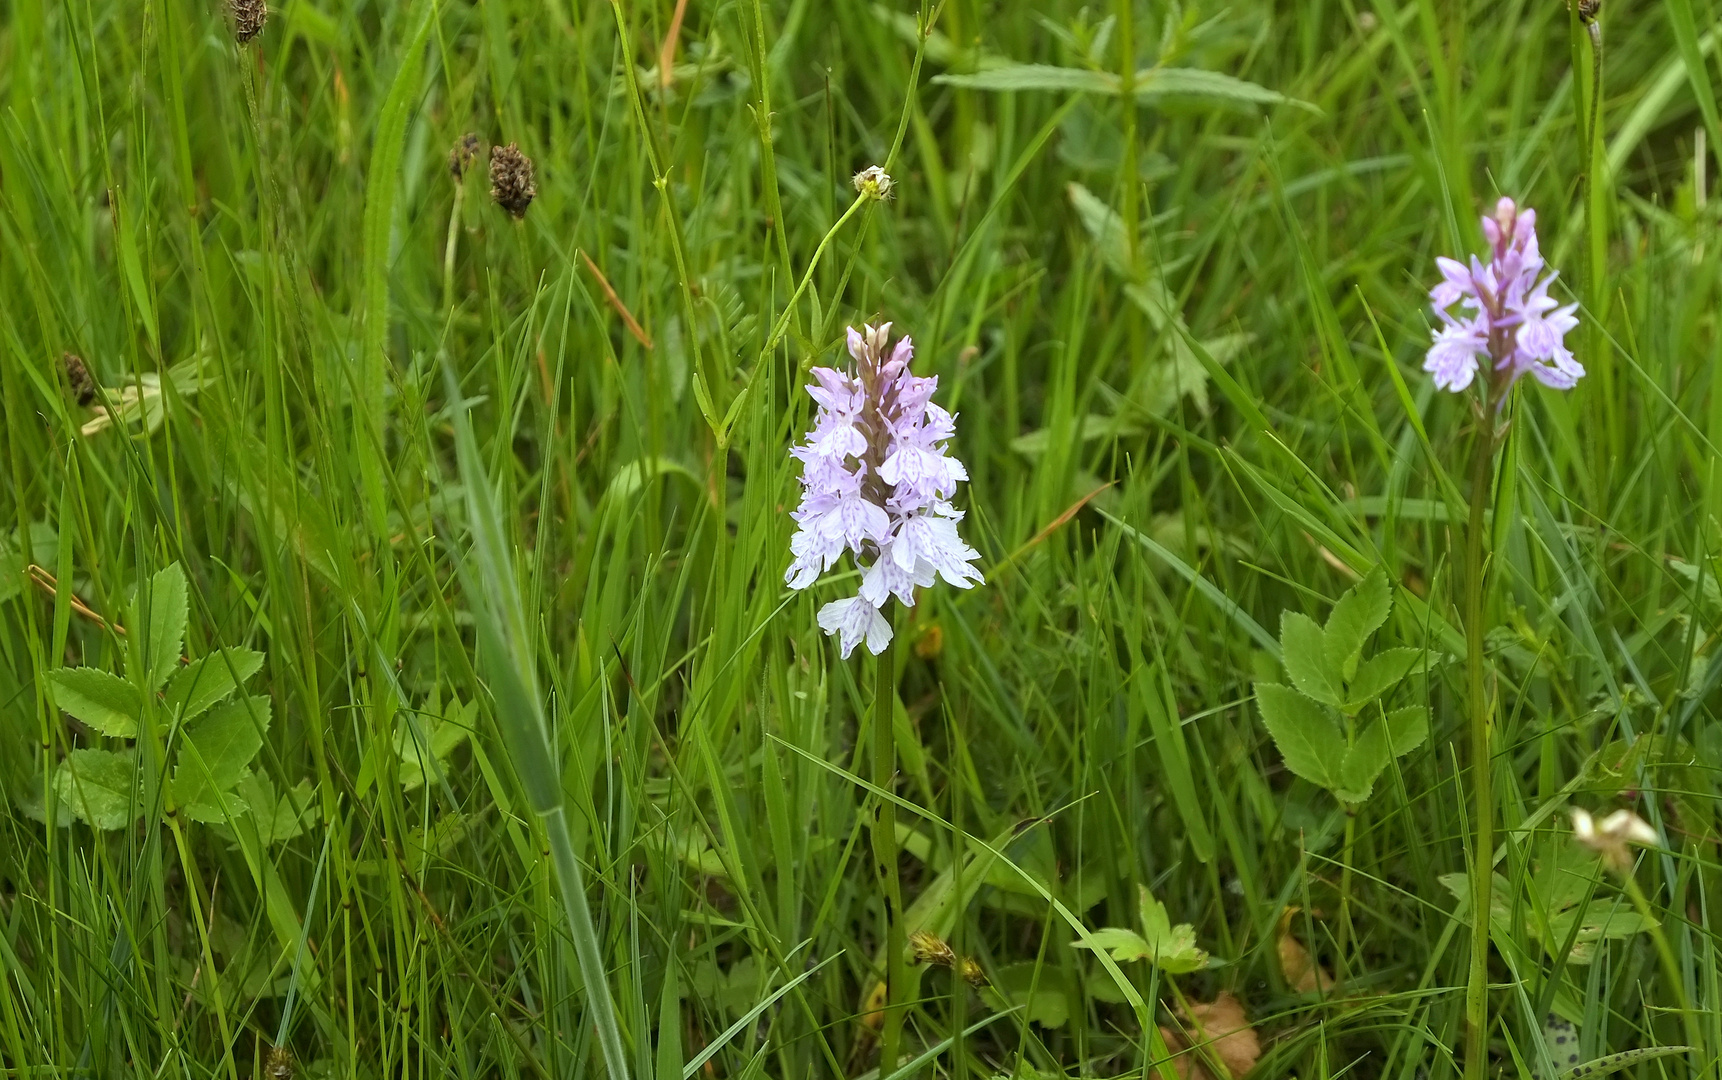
<point x="1183" y="334"/>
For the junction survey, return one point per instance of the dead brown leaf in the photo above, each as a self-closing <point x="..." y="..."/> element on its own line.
<point x="1221" y="1032"/>
<point x="1301" y="971"/>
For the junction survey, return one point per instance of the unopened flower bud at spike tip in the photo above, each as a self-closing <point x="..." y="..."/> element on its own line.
<point x="874" y="183"/>
<point x="248" y="19"/>
<point x="876" y="482"/>
<point x="465" y="152"/>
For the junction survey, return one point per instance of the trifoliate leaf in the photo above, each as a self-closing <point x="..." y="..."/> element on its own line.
<point x="1171" y="948"/>
<point x="105" y="702"/>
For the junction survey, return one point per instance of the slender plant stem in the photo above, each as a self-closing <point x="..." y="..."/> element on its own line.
<point x="1670" y="967"/>
<point x="1482" y="789"/>
<point x="1345" y="933"/>
<point x="885" y="855"/>
<point x="585" y="935"/>
<point x="449" y="246"/>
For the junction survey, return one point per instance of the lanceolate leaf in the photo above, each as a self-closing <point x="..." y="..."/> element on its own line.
<point x="1306" y="734"/>
<point x="160" y="609"/>
<point x="1355" y="616"/>
<point x="1210" y="85"/>
<point x="1305" y="645"/>
<point x="1379" y="674"/>
<point x="1407" y="728"/>
<point x="105" y="702"/>
<point x="196" y="687"/>
<point x="1035" y="77"/>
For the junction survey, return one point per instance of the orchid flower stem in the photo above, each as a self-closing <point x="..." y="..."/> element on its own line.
<point x="1482" y="762"/>
<point x="1670" y="967"/>
<point x="885" y="855"/>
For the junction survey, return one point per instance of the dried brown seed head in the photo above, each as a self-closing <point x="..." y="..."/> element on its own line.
<point x="248" y="18"/>
<point x="465" y="152"/>
<point x="511" y="179"/>
<point x="78" y="378"/>
<point x="1588" y="10"/>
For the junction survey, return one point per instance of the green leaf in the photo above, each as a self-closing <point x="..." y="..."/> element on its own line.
<point x="193" y="689"/>
<point x="1039" y="988"/>
<point x="1602" y="1066"/>
<point x="1364" y="762"/>
<point x="1171" y="948"/>
<point x="105" y="702"/>
<point x="214" y="752"/>
<point x="277" y="817"/>
<point x="1153" y="83"/>
<point x="1407" y="728"/>
<point x="1355" y="616"/>
<point x="1379" y="674"/>
<point x="99" y="786"/>
<point x="1121" y="944"/>
<point x="160" y="608"/>
<point x="1307" y="734"/>
<point x="1305" y="645"/>
<point x="1035" y="77"/>
<point x="424" y="741"/>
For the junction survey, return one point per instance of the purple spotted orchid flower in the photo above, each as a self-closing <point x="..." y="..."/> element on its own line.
<point x="876" y="481"/>
<point x="1505" y="314"/>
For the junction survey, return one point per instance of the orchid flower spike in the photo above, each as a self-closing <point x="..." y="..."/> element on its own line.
<point x="1505" y="314"/>
<point x="876" y="481"/>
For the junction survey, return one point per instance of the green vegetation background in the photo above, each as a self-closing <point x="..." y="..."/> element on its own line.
<point x="1183" y="335"/>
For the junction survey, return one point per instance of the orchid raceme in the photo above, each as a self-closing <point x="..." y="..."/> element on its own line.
<point x="1505" y="314"/>
<point x="876" y="481"/>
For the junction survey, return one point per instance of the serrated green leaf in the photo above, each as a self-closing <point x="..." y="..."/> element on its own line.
<point x="277" y="817"/>
<point x="1355" y="616"/>
<point x="160" y="608"/>
<point x="424" y="742"/>
<point x="1010" y="77"/>
<point x="1305" y="645"/>
<point x="100" y="787"/>
<point x="195" y="688"/>
<point x="215" y="750"/>
<point x="1121" y="944"/>
<point x="1171" y="948"/>
<point x="1368" y="755"/>
<point x="1379" y="674"/>
<point x="216" y="807"/>
<point x="1407" y="728"/>
<point x="1306" y="734"/>
<point x="105" y="702"/>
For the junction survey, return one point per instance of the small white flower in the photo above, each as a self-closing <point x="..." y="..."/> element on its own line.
<point x="853" y="620"/>
<point x="1611" y="836"/>
<point x="874" y="183"/>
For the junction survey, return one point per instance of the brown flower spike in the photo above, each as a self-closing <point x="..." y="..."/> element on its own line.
<point x="78" y="378"/>
<point x="511" y="179"/>
<point x="465" y="152"/>
<point x="248" y="19"/>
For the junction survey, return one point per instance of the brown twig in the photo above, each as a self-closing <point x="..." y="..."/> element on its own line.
<point x="634" y="327"/>
<point x="51" y="586"/>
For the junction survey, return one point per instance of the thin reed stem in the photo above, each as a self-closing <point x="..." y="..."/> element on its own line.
<point x="1482" y="788"/>
<point x="1670" y="969"/>
<point x="885" y="855"/>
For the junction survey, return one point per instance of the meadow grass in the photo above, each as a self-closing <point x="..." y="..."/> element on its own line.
<point x="503" y="505"/>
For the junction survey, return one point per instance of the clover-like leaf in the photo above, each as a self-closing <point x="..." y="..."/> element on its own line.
<point x="1171" y="948"/>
